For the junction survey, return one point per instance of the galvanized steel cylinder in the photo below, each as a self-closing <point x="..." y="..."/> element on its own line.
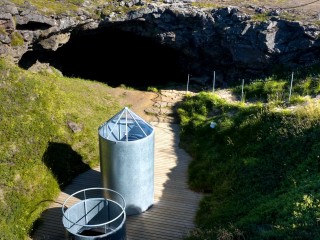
<point x="126" y="145"/>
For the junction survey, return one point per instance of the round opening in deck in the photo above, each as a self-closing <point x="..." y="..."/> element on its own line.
<point x="94" y="212"/>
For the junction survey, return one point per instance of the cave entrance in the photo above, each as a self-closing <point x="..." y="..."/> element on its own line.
<point x="115" y="57"/>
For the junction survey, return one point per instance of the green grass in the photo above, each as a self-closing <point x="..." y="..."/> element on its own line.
<point x="52" y="6"/>
<point x="259" y="166"/>
<point x="264" y="90"/>
<point x="16" y="39"/>
<point x="153" y="89"/>
<point x="39" y="154"/>
<point x="71" y="7"/>
<point x="260" y="17"/>
<point x="275" y="90"/>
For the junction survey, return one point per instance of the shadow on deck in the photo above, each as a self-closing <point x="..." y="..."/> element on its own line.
<point x="174" y="208"/>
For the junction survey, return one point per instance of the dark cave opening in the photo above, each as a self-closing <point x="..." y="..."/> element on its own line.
<point x="114" y="57"/>
<point x="32" y="26"/>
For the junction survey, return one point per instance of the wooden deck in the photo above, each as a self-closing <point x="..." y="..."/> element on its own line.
<point x="173" y="212"/>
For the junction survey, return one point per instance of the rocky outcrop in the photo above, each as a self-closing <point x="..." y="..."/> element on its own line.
<point x="227" y="39"/>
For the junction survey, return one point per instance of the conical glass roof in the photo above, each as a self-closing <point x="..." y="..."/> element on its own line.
<point x="125" y="126"/>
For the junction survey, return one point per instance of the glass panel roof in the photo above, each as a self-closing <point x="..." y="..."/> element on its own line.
<point x="125" y="126"/>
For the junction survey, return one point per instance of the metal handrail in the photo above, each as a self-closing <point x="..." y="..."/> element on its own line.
<point x="95" y="225"/>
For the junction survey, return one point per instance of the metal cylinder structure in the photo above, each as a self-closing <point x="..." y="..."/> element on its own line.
<point x="126" y="145"/>
<point x="94" y="213"/>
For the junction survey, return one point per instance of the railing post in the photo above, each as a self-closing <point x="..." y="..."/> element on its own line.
<point x="214" y="81"/>
<point x="242" y="93"/>
<point x="188" y="83"/>
<point x="290" y="87"/>
<point x="85" y="207"/>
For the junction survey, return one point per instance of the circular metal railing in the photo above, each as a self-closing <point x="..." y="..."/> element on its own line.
<point x="95" y="212"/>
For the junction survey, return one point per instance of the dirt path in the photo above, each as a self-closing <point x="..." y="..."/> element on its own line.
<point x="151" y="106"/>
<point x="136" y="100"/>
<point x="159" y="107"/>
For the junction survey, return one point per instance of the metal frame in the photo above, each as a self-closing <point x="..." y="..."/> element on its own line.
<point x="126" y="145"/>
<point x="106" y="131"/>
<point x="84" y="191"/>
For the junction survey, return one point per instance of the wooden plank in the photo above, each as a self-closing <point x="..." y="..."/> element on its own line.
<point x="175" y="205"/>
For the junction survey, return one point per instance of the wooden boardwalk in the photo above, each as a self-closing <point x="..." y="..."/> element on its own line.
<point x="173" y="212"/>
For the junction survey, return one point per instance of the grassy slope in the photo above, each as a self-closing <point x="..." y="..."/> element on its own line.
<point x="260" y="167"/>
<point x="35" y="139"/>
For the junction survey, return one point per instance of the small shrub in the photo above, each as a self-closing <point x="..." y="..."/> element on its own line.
<point x="304" y="87"/>
<point x="297" y="99"/>
<point x="16" y="39"/>
<point x="3" y="30"/>
<point x="260" y="17"/>
<point x="264" y="90"/>
<point x="153" y="89"/>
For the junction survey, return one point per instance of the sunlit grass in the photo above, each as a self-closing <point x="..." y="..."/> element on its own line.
<point x="52" y="6"/>
<point x="259" y="165"/>
<point x="35" y="111"/>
